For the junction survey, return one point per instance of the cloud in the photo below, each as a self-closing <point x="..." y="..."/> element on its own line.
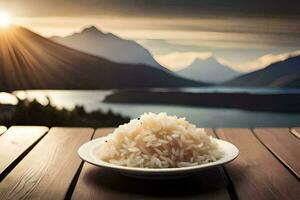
<point x="179" y="60"/>
<point x="230" y="33"/>
<point x="259" y="63"/>
<point x="154" y="7"/>
<point x="233" y="44"/>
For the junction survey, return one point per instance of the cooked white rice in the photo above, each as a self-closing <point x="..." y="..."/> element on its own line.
<point x="159" y="141"/>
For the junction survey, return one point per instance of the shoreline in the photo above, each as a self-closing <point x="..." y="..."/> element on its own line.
<point x="289" y="103"/>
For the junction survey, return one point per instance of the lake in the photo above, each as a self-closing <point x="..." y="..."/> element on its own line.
<point x="205" y="117"/>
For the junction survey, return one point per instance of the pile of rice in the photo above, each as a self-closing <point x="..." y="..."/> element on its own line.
<point x="159" y="141"/>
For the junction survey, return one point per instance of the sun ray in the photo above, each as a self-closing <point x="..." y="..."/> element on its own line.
<point x="5" y="19"/>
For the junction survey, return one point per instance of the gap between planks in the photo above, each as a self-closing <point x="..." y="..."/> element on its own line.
<point x="283" y="145"/>
<point x="296" y="132"/>
<point x="49" y="168"/>
<point x="256" y="173"/>
<point x="16" y="143"/>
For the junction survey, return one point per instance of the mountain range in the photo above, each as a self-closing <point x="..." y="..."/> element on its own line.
<point x="30" y="61"/>
<point x="208" y="70"/>
<point x="107" y="45"/>
<point x="280" y="74"/>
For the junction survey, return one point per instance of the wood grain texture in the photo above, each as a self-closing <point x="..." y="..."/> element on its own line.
<point x="100" y="132"/>
<point x="99" y="183"/>
<point x="15" y="142"/>
<point x="256" y="173"/>
<point x="47" y="171"/>
<point x="2" y="129"/>
<point x="283" y="144"/>
<point x="296" y="132"/>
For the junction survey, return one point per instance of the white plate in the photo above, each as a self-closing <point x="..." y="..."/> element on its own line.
<point x="87" y="153"/>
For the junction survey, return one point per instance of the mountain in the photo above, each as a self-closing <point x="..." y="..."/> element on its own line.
<point x="280" y="74"/>
<point x="30" y="61"/>
<point x="107" y="45"/>
<point x="209" y="70"/>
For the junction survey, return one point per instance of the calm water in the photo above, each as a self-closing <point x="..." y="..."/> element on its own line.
<point x="250" y="90"/>
<point x="205" y="117"/>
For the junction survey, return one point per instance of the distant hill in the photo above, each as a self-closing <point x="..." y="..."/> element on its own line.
<point x="277" y="102"/>
<point x="30" y="61"/>
<point x="107" y="45"/>
<point x="209" y="70"/>
<point x="280" y="74"/>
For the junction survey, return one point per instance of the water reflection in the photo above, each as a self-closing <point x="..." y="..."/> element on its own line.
<point x="205" y="117"/>
<point x="66" y="98"/>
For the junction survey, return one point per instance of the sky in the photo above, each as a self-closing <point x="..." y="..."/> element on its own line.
<point x="245" y="35"/>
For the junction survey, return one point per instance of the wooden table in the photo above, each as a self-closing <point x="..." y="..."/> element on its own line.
<point x="41" y="163"/>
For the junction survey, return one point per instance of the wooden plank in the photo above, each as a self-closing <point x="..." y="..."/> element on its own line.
<point x="15" y="143"/>
<point x="47" y="171"/>
<point x="210" y="132"/>
<point x="99" y="183"/>
<point x="2" y="129"/>
<point x="283" y="145"/>
<point x="256" y="173"/>
<point x="100" y="132"/>
<point x="296" y="132"/>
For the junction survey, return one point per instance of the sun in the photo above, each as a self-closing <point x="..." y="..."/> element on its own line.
<point x="5" y="19"/>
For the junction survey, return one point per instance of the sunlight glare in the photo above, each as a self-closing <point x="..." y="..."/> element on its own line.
<point x="7" y="98"/>
<point x="5" y="19"/>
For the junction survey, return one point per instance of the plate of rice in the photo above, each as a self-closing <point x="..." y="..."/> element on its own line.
<point x="158" y="146"/>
